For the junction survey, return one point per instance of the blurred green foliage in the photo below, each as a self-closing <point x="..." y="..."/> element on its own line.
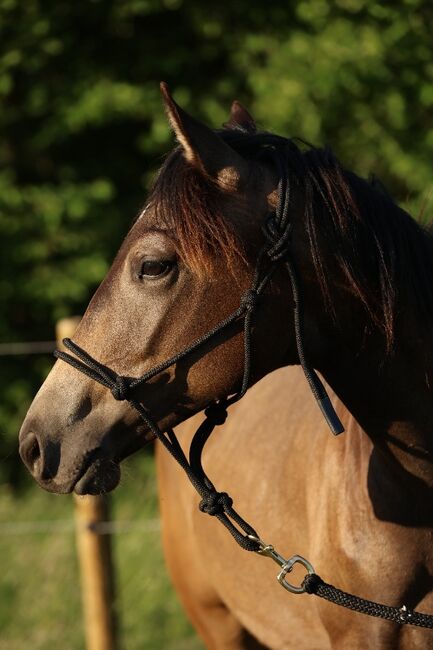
<point x="40" y="604"/>
<point x="82" y="128"/>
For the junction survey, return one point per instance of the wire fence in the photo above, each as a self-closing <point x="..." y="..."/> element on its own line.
<point x="69" y="525"/>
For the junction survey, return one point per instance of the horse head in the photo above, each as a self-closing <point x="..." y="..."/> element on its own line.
<point x="184" y="265"/>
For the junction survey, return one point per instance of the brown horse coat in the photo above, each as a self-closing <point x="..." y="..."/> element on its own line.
<point x="306" y="493"/>
<point x="358" y="507"/>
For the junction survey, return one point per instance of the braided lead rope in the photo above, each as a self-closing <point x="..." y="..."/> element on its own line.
<point x="313" y="584"/>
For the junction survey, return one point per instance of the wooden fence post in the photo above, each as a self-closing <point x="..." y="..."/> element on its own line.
<point x="94" y="553"/>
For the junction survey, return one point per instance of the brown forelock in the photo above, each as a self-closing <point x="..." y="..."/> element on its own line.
<point x="191" y="206"/>
<point x="385" y="256"/>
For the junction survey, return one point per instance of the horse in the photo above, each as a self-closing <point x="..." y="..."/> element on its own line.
<point x="359" y="505"/>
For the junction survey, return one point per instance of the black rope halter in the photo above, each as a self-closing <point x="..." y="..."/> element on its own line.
<point x="277" y="232"/>
<point x="276" y="251"/>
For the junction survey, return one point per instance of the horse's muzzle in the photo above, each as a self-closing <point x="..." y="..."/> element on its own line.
<point x="92" y="472"/>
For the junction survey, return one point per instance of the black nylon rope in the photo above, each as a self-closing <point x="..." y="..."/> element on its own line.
<point x="277" y="231"/>
<point x="214" y="503"/>
<point x="108" y="378"/>
<point x="314" y="382"/>
<point x="313" y="584"/>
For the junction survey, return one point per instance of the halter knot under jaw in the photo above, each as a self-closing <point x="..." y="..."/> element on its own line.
<point x="121" y="388"/>
<point x="215" y="503"/>
<point x="216" y="413"/>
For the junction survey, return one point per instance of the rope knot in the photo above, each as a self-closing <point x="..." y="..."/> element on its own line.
<point x="249" y="299"/>
<point x="311" y="583"/>
<point x="215" y="503"/>
<point x="120" y="389"/>
<point x="216" y="413"/>
<point x="278" y="238"/>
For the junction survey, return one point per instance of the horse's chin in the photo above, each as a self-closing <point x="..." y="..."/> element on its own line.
<point x="101" y="476"/>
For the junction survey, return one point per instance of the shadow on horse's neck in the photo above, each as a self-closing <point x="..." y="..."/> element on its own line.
<point x="391" y="397"/>
<point x="389" y="393"/>
<point x="393" y="404"/>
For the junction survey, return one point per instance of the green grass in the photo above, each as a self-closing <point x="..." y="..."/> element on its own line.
<point x="40" y="604"/>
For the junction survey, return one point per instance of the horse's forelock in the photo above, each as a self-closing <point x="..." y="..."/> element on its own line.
<point x="190" y="206"/>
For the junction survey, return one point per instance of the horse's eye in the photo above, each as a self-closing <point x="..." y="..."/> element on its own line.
<point x="155" y="268"/>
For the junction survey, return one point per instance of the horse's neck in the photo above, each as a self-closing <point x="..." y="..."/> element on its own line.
<point x="393" y="403"/>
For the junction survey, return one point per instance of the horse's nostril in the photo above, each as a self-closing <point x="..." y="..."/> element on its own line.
<point x="34" y="451"/>
<point x="31" y="453"/>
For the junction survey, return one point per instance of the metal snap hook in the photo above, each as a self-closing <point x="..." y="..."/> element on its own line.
<point x="286" y="565"/>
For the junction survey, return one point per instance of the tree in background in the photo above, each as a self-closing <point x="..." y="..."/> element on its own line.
<point x="83" y="130"/>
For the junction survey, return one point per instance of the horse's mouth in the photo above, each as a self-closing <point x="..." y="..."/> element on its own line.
<point x="101" y="476"/>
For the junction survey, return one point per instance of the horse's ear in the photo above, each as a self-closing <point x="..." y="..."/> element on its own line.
<point x="202" y="147"/>
<point x="240" y="118"/>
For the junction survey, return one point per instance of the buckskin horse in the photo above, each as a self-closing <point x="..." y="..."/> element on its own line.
<point x="255" y="253"/>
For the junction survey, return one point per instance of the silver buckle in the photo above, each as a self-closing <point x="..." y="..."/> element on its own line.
<point x="286" y="565"/>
